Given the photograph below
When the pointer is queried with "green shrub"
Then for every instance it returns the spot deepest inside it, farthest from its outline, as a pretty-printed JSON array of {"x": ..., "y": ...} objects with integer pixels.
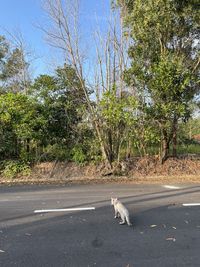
[
  {"x": 189, "y": 148},
  {"x": 56, "y": 152},
  {"x": 78, "y": 155},
  {"x": 94, "y": 151},
  {"x": 13, "y": 168}
]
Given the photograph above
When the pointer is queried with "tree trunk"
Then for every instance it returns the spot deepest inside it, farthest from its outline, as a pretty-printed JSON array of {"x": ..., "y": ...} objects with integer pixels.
[
  {"x": 17, "y": 148},
  {"x": 104, "y": 151},
  {"x": 128, "y": 149},
  {"x": 174, "y": 142},
  {"x": 28, "y": 145},
  {"x": 174, "y": 137},
  {"x": 165, "y": 151},
  {"x": 110, "y": 146},
  {"x": 165, "y": 147}
]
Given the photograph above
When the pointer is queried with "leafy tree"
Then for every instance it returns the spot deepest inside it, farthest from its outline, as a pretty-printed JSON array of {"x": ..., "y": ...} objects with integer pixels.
[
  {"x": 63, "y": 106},
  {"x": 190, "y": 129},
  {"x": 20, "y": 123},
  {"x": 3, "y": 51},
  {"x": 165, "y": 61},
  {"x": 118, "y": 116},
  {"x": 13, "y": 67}
]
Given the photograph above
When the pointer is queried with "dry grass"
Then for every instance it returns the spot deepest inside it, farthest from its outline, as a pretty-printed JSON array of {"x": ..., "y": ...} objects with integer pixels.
[
  {"x": 105, "y": 180},
  {"x": 137, "y": 171}
]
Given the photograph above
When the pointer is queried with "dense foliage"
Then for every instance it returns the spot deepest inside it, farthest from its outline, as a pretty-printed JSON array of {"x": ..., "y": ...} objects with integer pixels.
[
  {"x": 55, "y": 117},
  {"x": 165, "y": 61}
]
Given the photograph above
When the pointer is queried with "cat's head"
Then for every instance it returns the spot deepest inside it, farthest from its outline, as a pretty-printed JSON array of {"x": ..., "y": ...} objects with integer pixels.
[{"x": 113, "y": 200}]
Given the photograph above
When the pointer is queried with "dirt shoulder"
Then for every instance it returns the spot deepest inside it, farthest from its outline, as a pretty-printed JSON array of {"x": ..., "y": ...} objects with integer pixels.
[
  {"x": 135, "y": 171},
  {"x": 104, "y": 180}
]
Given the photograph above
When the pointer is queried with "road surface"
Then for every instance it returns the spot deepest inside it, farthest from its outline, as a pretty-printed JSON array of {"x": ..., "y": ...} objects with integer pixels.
[{"x": 165, "y": 233}]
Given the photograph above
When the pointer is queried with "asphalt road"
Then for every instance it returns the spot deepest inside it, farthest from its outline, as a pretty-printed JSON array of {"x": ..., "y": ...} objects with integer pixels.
[{"x": 165, "y": 233}]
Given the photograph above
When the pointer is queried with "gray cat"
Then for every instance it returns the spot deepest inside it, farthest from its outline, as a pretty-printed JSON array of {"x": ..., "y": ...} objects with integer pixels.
[{"x": 120, "y": 211}]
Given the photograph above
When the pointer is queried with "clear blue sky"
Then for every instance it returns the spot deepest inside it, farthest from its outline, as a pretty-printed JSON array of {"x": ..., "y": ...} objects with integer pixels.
[{"x": 25, "y": 14}]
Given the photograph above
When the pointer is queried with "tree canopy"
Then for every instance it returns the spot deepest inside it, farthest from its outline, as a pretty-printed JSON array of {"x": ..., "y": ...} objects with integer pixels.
[
  {"x": 138, "y": 98},
  {"x": 165, "y": 60}
]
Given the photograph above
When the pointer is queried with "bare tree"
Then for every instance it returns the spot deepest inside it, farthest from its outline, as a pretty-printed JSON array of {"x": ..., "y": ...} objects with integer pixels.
[
  {"x": 19, "y": 62},
  {"x": 110, "y": 61}
]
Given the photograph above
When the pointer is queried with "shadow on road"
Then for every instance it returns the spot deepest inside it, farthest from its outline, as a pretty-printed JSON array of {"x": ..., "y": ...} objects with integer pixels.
[
  {"x": 133, "y": 199},
  {"x": 95, "y": 238}
]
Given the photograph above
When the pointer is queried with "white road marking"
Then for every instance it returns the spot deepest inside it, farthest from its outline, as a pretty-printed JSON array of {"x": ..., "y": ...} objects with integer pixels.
[
  {"x": 171, "y": 187},
  {"x": 191, "y": 204},
  {"x": 69, "y": 209}
]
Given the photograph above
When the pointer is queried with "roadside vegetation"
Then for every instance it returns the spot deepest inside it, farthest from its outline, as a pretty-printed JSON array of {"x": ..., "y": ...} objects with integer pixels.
[{"x": 140, "y": 99}]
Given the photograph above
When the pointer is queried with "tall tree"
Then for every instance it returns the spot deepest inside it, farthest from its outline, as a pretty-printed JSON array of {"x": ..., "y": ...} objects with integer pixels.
[
  {"x": 107, "y": 68},
  {"x": 165, "y": 60},
  {"x": 14, "y": 73},
  {"x": 4, "y": 46},
  {"x": 63, "y": 104},
  {"x": 20, "y": 123}
]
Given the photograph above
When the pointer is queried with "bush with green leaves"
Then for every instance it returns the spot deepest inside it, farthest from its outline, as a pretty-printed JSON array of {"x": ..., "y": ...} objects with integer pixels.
[
  {"x": 78, "y": 154},
  {"x": 13, "y": 168},
  {"x": 56, "y": 152},
  {"x": 94, "y": 152}
]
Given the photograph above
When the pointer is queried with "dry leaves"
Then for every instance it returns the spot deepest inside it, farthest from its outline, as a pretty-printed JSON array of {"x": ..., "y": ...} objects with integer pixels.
[
  {"x": 171, "y": 239},
  {"x": 153, "y": 225}
]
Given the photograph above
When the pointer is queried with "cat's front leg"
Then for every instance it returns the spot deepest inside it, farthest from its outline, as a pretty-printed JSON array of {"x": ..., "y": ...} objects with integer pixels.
[
  {"x": 116, "y": 214},
  {"x": 123, "y": 220}
]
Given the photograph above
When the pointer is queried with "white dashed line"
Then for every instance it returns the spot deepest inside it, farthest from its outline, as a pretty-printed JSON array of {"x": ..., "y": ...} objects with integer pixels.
[
  {"x": 59, "y": 210},
  {"x": 171, "y": 187},
  {"x": 191, "y": 204}
]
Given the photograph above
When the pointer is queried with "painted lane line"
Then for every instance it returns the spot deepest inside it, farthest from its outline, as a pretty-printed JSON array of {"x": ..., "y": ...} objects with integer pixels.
[
  {"x": 69, "y": 209},
  {"x": 191, "y": 204},
  {"x": 4, "y": 200},
  {"x": 171, "y": 187}
]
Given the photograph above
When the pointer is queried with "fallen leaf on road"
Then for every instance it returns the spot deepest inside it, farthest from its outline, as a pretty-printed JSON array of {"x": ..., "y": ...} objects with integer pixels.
[
  {"x": 171, "y": 239},
  {"x": 2, "y": 251},
  {"x": 153, "y": 225}
]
